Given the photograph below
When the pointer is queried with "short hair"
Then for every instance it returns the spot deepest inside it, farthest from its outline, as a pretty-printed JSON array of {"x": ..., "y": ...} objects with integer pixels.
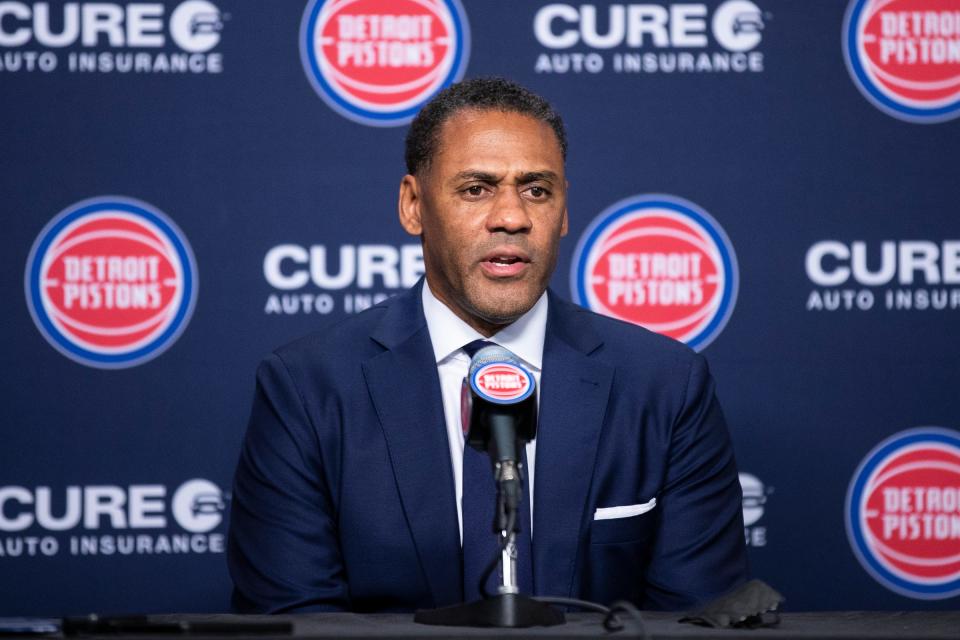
[{"x": 496, "y": 94}]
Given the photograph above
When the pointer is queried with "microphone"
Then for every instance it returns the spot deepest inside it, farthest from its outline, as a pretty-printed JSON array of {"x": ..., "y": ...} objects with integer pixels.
[{"x": 499, "y": 415}]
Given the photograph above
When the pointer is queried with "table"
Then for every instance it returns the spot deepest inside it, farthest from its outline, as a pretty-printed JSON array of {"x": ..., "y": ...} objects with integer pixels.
[{"x": 847, "y": 625}]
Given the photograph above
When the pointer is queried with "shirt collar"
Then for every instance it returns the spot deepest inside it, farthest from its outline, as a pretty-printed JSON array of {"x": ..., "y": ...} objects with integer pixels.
[{"x": 448, "y": 333}]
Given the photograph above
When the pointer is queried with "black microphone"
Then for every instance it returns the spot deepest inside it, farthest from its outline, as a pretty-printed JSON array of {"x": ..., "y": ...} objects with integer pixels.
[{"x": 499, "y": 415}]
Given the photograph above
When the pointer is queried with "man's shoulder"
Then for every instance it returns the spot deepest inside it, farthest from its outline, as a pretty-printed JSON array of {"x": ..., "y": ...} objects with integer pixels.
[
  {"x": 624, "y": 341},
  {"x": 341, "y": 341}
]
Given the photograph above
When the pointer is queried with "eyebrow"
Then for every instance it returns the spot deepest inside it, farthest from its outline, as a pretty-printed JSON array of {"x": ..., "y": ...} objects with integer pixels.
[
  {"x": 479, "y": 176},
  {"x": 524, "y": 178},
  {"x": 534, "y": 176}
]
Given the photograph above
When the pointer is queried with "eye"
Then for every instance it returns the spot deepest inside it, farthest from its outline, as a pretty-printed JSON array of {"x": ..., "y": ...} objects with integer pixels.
[
  {"x": 474, "y": 191},
  {"x": 537, "y": 192}
]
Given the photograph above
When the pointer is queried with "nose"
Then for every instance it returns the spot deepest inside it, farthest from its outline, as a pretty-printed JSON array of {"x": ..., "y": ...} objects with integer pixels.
[{"x": 509, "y": 213}]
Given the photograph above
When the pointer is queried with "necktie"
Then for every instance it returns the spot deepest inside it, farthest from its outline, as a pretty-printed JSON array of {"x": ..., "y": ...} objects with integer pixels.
[{"x": 478, "y": 503}]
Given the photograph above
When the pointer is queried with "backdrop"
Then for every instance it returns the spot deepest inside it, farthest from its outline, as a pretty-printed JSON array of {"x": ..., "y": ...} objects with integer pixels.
[{"x": 188, "y": 185}]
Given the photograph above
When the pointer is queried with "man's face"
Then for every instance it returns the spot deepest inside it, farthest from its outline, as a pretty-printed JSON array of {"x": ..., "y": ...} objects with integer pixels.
[{"x": 490, "y": 210}]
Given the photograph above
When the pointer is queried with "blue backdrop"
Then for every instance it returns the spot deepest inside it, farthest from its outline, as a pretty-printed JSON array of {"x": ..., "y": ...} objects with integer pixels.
[{"x": 188, "y": 185}]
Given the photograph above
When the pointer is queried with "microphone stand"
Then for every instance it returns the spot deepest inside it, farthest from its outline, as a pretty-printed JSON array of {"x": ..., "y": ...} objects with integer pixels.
[
  {"x": 509, "y": 494},
  {"x": 509, "y": 608}
]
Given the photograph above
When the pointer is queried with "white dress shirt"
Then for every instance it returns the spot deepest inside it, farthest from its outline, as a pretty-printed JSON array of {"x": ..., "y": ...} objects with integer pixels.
[{"x": 448, "y": 333}]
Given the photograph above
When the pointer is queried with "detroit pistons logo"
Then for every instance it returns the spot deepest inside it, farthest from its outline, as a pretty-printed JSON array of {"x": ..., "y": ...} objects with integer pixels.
[
  {"x": 660, "y": 262},
  {"x": 904, "y": 56},
  {"x": 903, "y": 516},
  {"x": 502, "y": 382},
  {"x": 111, "y": 282},
  {"x": 378, "y": 61}
]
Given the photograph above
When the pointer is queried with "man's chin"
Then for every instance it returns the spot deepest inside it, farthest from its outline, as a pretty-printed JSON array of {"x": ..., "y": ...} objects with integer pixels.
[{"x": 503, "y": 311}]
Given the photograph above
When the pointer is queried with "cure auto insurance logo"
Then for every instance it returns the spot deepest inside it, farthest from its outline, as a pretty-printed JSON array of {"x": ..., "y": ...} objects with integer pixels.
[
  {"x": 660, "y": 262},
  {"x": 111, "y": 282},
  {"x": 903, "y": 516},
  {"x": 377, "y": 62},
  {"x": 904, "y": 56}
]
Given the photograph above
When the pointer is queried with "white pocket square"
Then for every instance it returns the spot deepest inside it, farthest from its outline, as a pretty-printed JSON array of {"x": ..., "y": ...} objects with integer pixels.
[{"x": 626, "y": 511}]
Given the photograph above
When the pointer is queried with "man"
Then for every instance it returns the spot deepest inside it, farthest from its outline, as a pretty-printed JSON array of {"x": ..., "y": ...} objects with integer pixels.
[{"x": 348, "y": 490}]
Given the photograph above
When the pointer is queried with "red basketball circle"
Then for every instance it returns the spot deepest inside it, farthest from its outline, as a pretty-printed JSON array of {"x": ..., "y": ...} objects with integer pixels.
[
  {"x": 911, "y": 49},
  {"x": 111, "y": 282},
  {"x": 384, "y": 55},
  {"x": 659, "y": 271},
  {"x": 911, "y": 513}
]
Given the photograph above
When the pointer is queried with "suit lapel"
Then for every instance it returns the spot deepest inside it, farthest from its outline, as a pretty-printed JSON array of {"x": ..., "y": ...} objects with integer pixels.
[
  {"x": 573, "y": 400},
  {"x": 405, "y": 389}
]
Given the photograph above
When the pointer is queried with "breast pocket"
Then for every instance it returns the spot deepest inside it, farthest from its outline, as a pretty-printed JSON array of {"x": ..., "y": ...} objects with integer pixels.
[
  {"x": 628, "y": 529},
  {"x": 618, "y": 554}
]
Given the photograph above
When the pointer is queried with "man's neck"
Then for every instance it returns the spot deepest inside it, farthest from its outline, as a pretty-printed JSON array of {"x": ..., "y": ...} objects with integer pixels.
[
  {"x": 484, "y": 327},
  {"x": 449, "y": 332}
]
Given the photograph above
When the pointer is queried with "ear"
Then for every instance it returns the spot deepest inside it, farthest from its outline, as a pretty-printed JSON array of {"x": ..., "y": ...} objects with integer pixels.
[{"x": 409, "y": 204}]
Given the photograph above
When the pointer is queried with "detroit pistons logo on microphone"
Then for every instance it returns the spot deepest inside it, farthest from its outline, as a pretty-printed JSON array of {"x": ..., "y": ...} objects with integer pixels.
[
  {"x": 660, "y": 262},
  {"x": 502, "y": 382},
  {"x": 904, "y": 56},
  {"x": 903, "y": 513},
  {"x": 111, "y": 282},
  {"x": 377, "y": 61}
]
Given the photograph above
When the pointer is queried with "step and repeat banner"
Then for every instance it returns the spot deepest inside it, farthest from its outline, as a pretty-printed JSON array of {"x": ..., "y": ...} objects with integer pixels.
[{"x": 188, "y": 185}]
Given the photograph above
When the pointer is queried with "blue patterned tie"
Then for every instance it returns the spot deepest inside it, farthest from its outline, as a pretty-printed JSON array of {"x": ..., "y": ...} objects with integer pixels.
[{"x": 480, "y": 544}]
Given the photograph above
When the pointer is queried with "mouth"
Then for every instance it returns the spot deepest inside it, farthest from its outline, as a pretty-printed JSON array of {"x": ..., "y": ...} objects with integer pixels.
[{"x": 505, "y": 262}]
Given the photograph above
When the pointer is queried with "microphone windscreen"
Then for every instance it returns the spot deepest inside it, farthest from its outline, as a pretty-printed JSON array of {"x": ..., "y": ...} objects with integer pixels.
[
  {"x": 492, "y": 353},
  {"x": 497, "y": 375}
]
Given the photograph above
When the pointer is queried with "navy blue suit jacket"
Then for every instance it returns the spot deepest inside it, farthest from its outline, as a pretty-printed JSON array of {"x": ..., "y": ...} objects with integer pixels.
[{"x": 344, "y": 497}]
